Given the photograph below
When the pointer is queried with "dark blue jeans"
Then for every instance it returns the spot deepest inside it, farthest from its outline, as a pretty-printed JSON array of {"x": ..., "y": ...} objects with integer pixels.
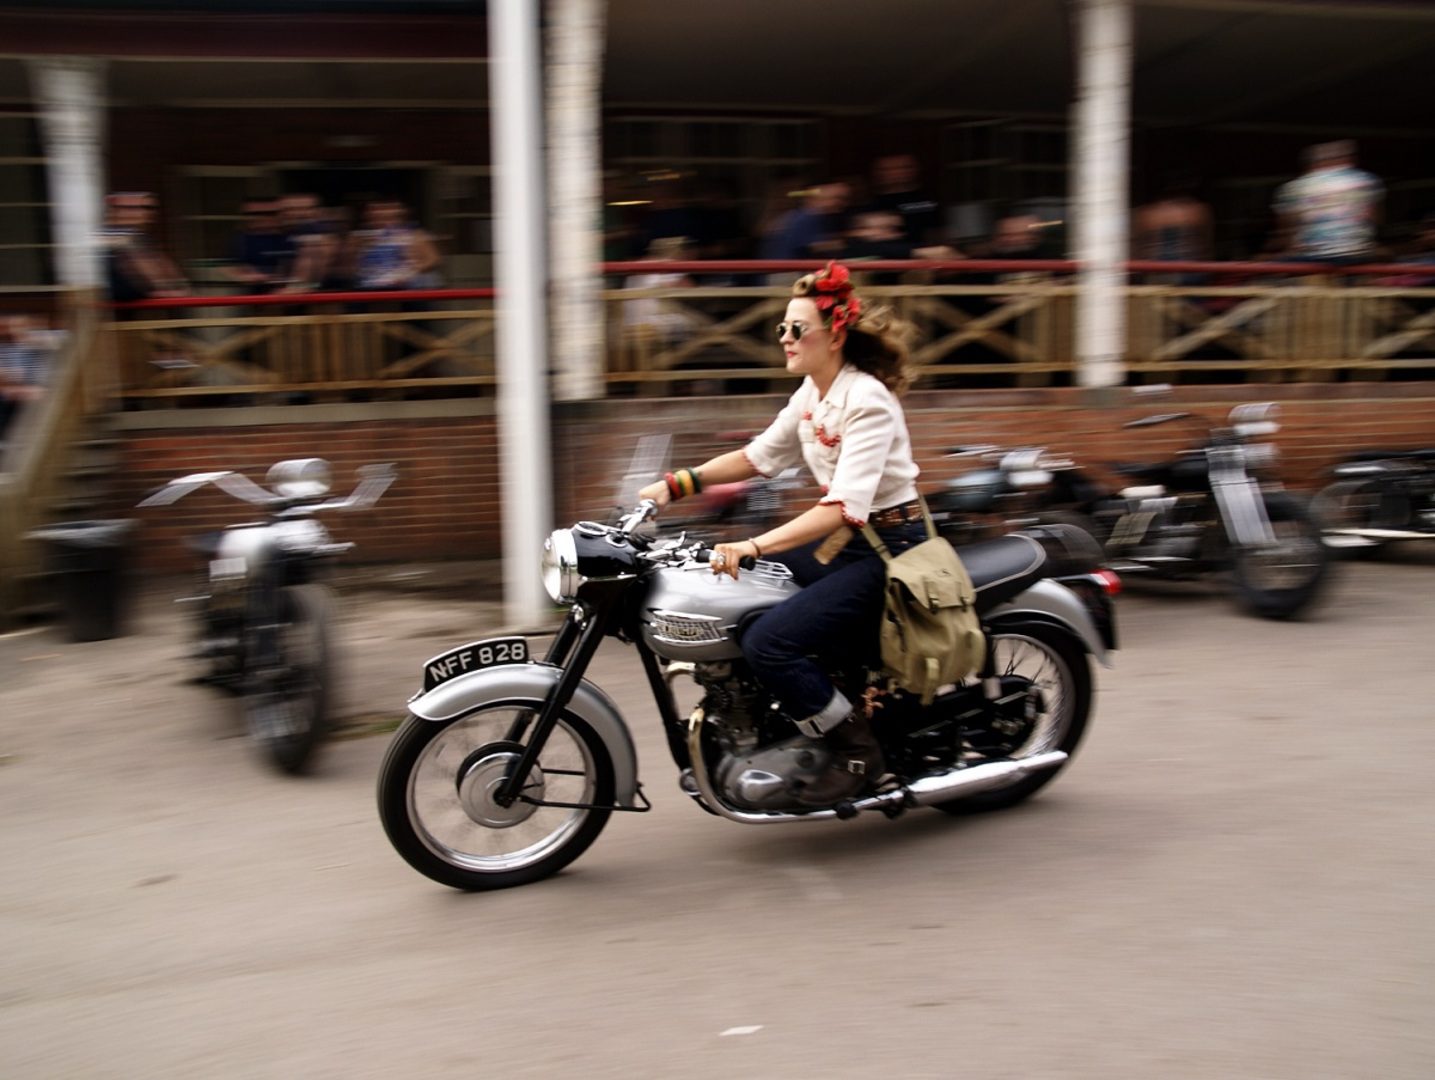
[{"x": 835, "y": 616}]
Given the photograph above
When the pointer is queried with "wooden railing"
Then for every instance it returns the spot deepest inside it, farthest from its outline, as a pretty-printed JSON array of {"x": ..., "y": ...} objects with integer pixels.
[{"x": 1000, "y": 323}]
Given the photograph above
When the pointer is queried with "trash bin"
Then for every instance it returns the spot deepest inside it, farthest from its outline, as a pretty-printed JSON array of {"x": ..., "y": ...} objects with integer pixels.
[{"x": 89, "y": 560}]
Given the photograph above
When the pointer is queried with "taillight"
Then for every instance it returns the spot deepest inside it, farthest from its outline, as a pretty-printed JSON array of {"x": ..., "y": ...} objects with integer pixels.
[{"x": 1110, "y": 582}]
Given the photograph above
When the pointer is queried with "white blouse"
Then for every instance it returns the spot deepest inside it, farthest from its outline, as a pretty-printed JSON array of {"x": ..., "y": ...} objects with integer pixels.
[{"x": 854, "y": 441}]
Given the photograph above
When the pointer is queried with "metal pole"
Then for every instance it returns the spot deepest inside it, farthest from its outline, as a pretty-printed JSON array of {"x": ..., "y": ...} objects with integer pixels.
[
  {"x": 70, "y": 93},
  {"x": 1103, "y": 134},
  {"x": 575, "y": 117},
  {"x": 523, "y": 422}
]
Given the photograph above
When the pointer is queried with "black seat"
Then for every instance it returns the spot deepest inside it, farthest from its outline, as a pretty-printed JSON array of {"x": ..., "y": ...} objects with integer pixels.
[
  {"x": 1155, "y": 471},
  {"x": 205, "y": 545},
  {"x": 1003, "y": 567}
]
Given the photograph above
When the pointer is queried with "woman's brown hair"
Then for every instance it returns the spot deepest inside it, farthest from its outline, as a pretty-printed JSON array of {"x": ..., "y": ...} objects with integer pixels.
[{"x": 876, "y": 338}]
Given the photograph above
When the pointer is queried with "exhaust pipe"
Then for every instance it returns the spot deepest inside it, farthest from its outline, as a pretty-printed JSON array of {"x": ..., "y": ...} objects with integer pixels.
[
  {"x": 951, "y": 784},
  {"x": 1377, "y": 534}
]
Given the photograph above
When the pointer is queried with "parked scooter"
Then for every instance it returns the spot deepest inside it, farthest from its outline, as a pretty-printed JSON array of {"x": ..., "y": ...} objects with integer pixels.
[
  {"x": 1379, "y": 497},
  {"x": 264, "y": 618},
  {"x": 1212, "y": 508}
]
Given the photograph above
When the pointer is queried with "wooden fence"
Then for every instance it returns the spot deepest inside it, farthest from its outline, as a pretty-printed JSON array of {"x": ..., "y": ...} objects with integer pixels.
[{"x": 992, "y": 324}]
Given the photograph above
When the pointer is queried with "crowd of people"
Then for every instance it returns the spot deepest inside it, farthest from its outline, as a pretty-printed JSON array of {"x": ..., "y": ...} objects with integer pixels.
[
  {"x": 1331, "y": 213},
  {"x": 286, "y": 244}
]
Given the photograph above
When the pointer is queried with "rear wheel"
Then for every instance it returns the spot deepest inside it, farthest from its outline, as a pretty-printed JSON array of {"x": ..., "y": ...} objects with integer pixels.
[
  {"x": 287, "y": 712},
  {"x": 1055, "y": 671},
  {"x": 436, "y": 798},
  {"x": 1278, "y": 581}
]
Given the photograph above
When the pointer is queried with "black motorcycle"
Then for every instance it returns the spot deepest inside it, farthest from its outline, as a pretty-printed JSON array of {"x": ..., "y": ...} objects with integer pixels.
[
  {"x": 508, "y": 767},
  {"x": 1379, "y": 497},
  {"x": 1012, "y": 489},
  {"x": 264, "y": 616},
  {"x": 1212, "y": 508}
]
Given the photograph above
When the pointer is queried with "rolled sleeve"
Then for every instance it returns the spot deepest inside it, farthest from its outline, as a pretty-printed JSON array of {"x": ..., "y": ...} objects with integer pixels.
[
  {"x": 778, "y": 447},
  {"x": 866, "y": 443}
]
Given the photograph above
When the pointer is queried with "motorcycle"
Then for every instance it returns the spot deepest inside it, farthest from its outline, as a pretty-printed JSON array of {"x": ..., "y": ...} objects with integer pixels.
[
  {"x": 1007, "y": 493},
  {"x": 1211, "y": 508},
  {"x": 264, "y": 619},
  {"x": 1378, "y": 497},
  {"x": 507, "y": 767}
]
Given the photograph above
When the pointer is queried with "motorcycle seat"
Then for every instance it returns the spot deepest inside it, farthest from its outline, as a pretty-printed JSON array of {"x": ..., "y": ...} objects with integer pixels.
[
  {"x": 1426, "y": 453},
  {"x": 1003, "y": 567},
  {"x": 1141, "y": 470}
]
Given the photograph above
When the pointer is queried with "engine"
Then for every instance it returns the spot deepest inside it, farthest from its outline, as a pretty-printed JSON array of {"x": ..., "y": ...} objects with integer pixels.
[{"x": 762, "y": 762}]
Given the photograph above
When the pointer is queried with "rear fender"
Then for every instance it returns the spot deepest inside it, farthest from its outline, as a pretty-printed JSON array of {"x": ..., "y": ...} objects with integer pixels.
[
  {"x": 529, "y": 684},
  {"x": 1047, "y": 601}
]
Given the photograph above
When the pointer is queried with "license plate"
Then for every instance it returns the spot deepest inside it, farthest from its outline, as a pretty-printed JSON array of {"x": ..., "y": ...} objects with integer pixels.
[{"x": 472, "y": 657}]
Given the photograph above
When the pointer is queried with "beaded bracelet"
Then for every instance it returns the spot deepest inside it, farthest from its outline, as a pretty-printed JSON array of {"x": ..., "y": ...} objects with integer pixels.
[{"x": 683, "y": 482}]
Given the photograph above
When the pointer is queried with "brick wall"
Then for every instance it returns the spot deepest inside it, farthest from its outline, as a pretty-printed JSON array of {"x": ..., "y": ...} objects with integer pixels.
[{"x": 445, "y": 504}]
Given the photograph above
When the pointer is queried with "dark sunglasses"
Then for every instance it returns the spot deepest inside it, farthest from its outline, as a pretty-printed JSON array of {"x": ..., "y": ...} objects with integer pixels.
[{"x": 796, "y": 329}]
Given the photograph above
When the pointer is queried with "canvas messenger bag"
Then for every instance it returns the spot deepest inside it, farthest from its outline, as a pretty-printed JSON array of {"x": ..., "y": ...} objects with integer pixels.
[{"x": 930, "y": 634}]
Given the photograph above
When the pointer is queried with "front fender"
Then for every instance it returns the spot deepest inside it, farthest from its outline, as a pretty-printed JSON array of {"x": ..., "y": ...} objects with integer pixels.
[
  {"x": 530, "y": 683},
  {"x": 1052, "y": 602}
]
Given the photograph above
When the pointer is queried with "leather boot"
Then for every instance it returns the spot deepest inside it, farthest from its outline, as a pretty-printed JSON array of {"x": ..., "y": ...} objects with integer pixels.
[{"x": 857, "y": 763}]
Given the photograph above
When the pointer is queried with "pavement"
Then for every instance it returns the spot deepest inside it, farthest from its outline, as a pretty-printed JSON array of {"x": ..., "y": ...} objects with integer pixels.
[{"x": 1233, "y": 878}]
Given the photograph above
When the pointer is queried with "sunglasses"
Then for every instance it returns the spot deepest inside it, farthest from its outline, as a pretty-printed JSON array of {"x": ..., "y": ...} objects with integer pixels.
[{"x": 796, "y": 329}]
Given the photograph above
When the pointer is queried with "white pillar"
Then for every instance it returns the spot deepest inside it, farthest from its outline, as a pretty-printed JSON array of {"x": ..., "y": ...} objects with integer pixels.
[
  {"x": 523, "y": 442},
  {"x": 575, "y": 115},
  {"x": 71, "y": 95},
  {"x": 1103, "y": 136}
]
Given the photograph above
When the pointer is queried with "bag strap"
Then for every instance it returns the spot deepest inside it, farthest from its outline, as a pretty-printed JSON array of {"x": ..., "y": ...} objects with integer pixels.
[{"x": 881, "y": 548}]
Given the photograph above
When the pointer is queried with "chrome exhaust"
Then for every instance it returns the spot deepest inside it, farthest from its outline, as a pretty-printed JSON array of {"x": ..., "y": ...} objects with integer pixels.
[
  {"x": 1376, "y": 534},
  {"x": 952, "y": 784}
]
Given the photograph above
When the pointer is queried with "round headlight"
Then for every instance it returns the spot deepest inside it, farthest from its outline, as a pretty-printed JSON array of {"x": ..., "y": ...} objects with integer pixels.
[
  {"x": 299, "y": 478},
  {"x": 560, "y": 567}
]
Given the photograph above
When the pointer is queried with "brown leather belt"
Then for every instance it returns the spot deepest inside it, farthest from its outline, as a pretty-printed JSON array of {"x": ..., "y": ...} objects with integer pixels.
[{"x": 895, "y": 515}]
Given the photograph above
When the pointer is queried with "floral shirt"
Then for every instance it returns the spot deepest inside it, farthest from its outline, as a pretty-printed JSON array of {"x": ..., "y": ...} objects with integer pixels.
[
  {"x": 854, "y": 441},
  {"x": 1334, "y": 210}
]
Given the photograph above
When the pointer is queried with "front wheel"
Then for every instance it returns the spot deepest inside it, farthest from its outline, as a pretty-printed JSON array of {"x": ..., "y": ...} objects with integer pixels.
[
  {"x": 1279, "y": 580},
  {"x": 287, "y": 707},
  {"x": 1050, "y": 665},
  {"x": 436, "y": 797}
]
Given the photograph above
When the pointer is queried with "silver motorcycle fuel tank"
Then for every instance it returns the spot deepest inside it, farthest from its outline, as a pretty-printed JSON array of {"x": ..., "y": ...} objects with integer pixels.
[{"x": 690, "y": 613}]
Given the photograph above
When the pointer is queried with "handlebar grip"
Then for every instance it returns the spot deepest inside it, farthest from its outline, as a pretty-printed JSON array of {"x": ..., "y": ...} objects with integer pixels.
[{"x": 747, "y": 562}]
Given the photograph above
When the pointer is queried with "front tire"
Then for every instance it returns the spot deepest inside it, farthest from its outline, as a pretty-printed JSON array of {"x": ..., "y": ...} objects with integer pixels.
[
  {"x": 288, "y": 713},
  {"x": 1056, "y": 664},
  {"x": 435, "y": 802},
  {"x": 1280, "y": 581}
]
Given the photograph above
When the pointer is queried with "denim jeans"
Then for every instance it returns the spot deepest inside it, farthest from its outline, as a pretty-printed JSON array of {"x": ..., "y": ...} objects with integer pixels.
[{"x": 835, "y": 616}]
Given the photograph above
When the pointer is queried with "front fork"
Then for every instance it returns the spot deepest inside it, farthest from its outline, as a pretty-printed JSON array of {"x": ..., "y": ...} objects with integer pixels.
[
  {"x": 1240, "y": 500},
  {"x": 572, "y": 649}
]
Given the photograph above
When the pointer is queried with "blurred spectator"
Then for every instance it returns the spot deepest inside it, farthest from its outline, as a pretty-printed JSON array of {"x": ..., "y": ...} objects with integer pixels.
[
  {"x": 660, "y": 318},
  {"x": 311, "y": 240},
  {"x": 1420, "y": 252},
  {"x": 134, "y": 267},
  {"x": 896, "y": 186},
  {"x": 1330, "y": 212},
  {"x": 25, "y": 357},
  {"x": 1175, "y": 227},
  {"x": 669, "y": 214},
  {"x": 877, "y": 234},
  {"x": 260, "y": 254},
  {"x": 393, "y": 253},
  {"x": 1018, "y": 235},
  {"x": 815, "y": 230}
]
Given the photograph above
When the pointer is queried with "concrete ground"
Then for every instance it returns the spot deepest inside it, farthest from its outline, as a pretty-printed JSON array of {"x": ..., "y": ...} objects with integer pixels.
[{"x": 1233, "y": 879}]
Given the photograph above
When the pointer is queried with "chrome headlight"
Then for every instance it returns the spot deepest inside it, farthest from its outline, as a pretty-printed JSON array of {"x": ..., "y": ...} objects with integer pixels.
[{"x": 560, "y": 567}]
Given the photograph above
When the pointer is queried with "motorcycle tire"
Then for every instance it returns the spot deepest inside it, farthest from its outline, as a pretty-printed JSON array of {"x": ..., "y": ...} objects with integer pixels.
[
  {"x": 290, "y": 718},
  {"x": 1289, "y": 517},
  {"x": 1012, "y": 644},
  {"x": 1361, "y": 504},
  {"x": 426, "y": 844}
]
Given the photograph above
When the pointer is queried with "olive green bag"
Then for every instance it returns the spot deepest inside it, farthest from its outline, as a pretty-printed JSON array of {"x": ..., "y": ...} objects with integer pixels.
[{"x": 931, "y": 635}]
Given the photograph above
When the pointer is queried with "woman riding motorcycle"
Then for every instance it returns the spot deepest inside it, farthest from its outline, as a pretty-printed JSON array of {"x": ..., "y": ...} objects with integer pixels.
[{"x": 846, "y": 423}]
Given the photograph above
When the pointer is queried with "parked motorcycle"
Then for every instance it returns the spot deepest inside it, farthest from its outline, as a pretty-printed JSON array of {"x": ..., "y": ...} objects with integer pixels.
[
  {"x": 264, "y": 618},
  {"x": 1378, "y": 497},
  {"x": 1011, "y": 491},
  {"x": 508, "y": 767},
  {"x": 1211, "y": 508}
]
